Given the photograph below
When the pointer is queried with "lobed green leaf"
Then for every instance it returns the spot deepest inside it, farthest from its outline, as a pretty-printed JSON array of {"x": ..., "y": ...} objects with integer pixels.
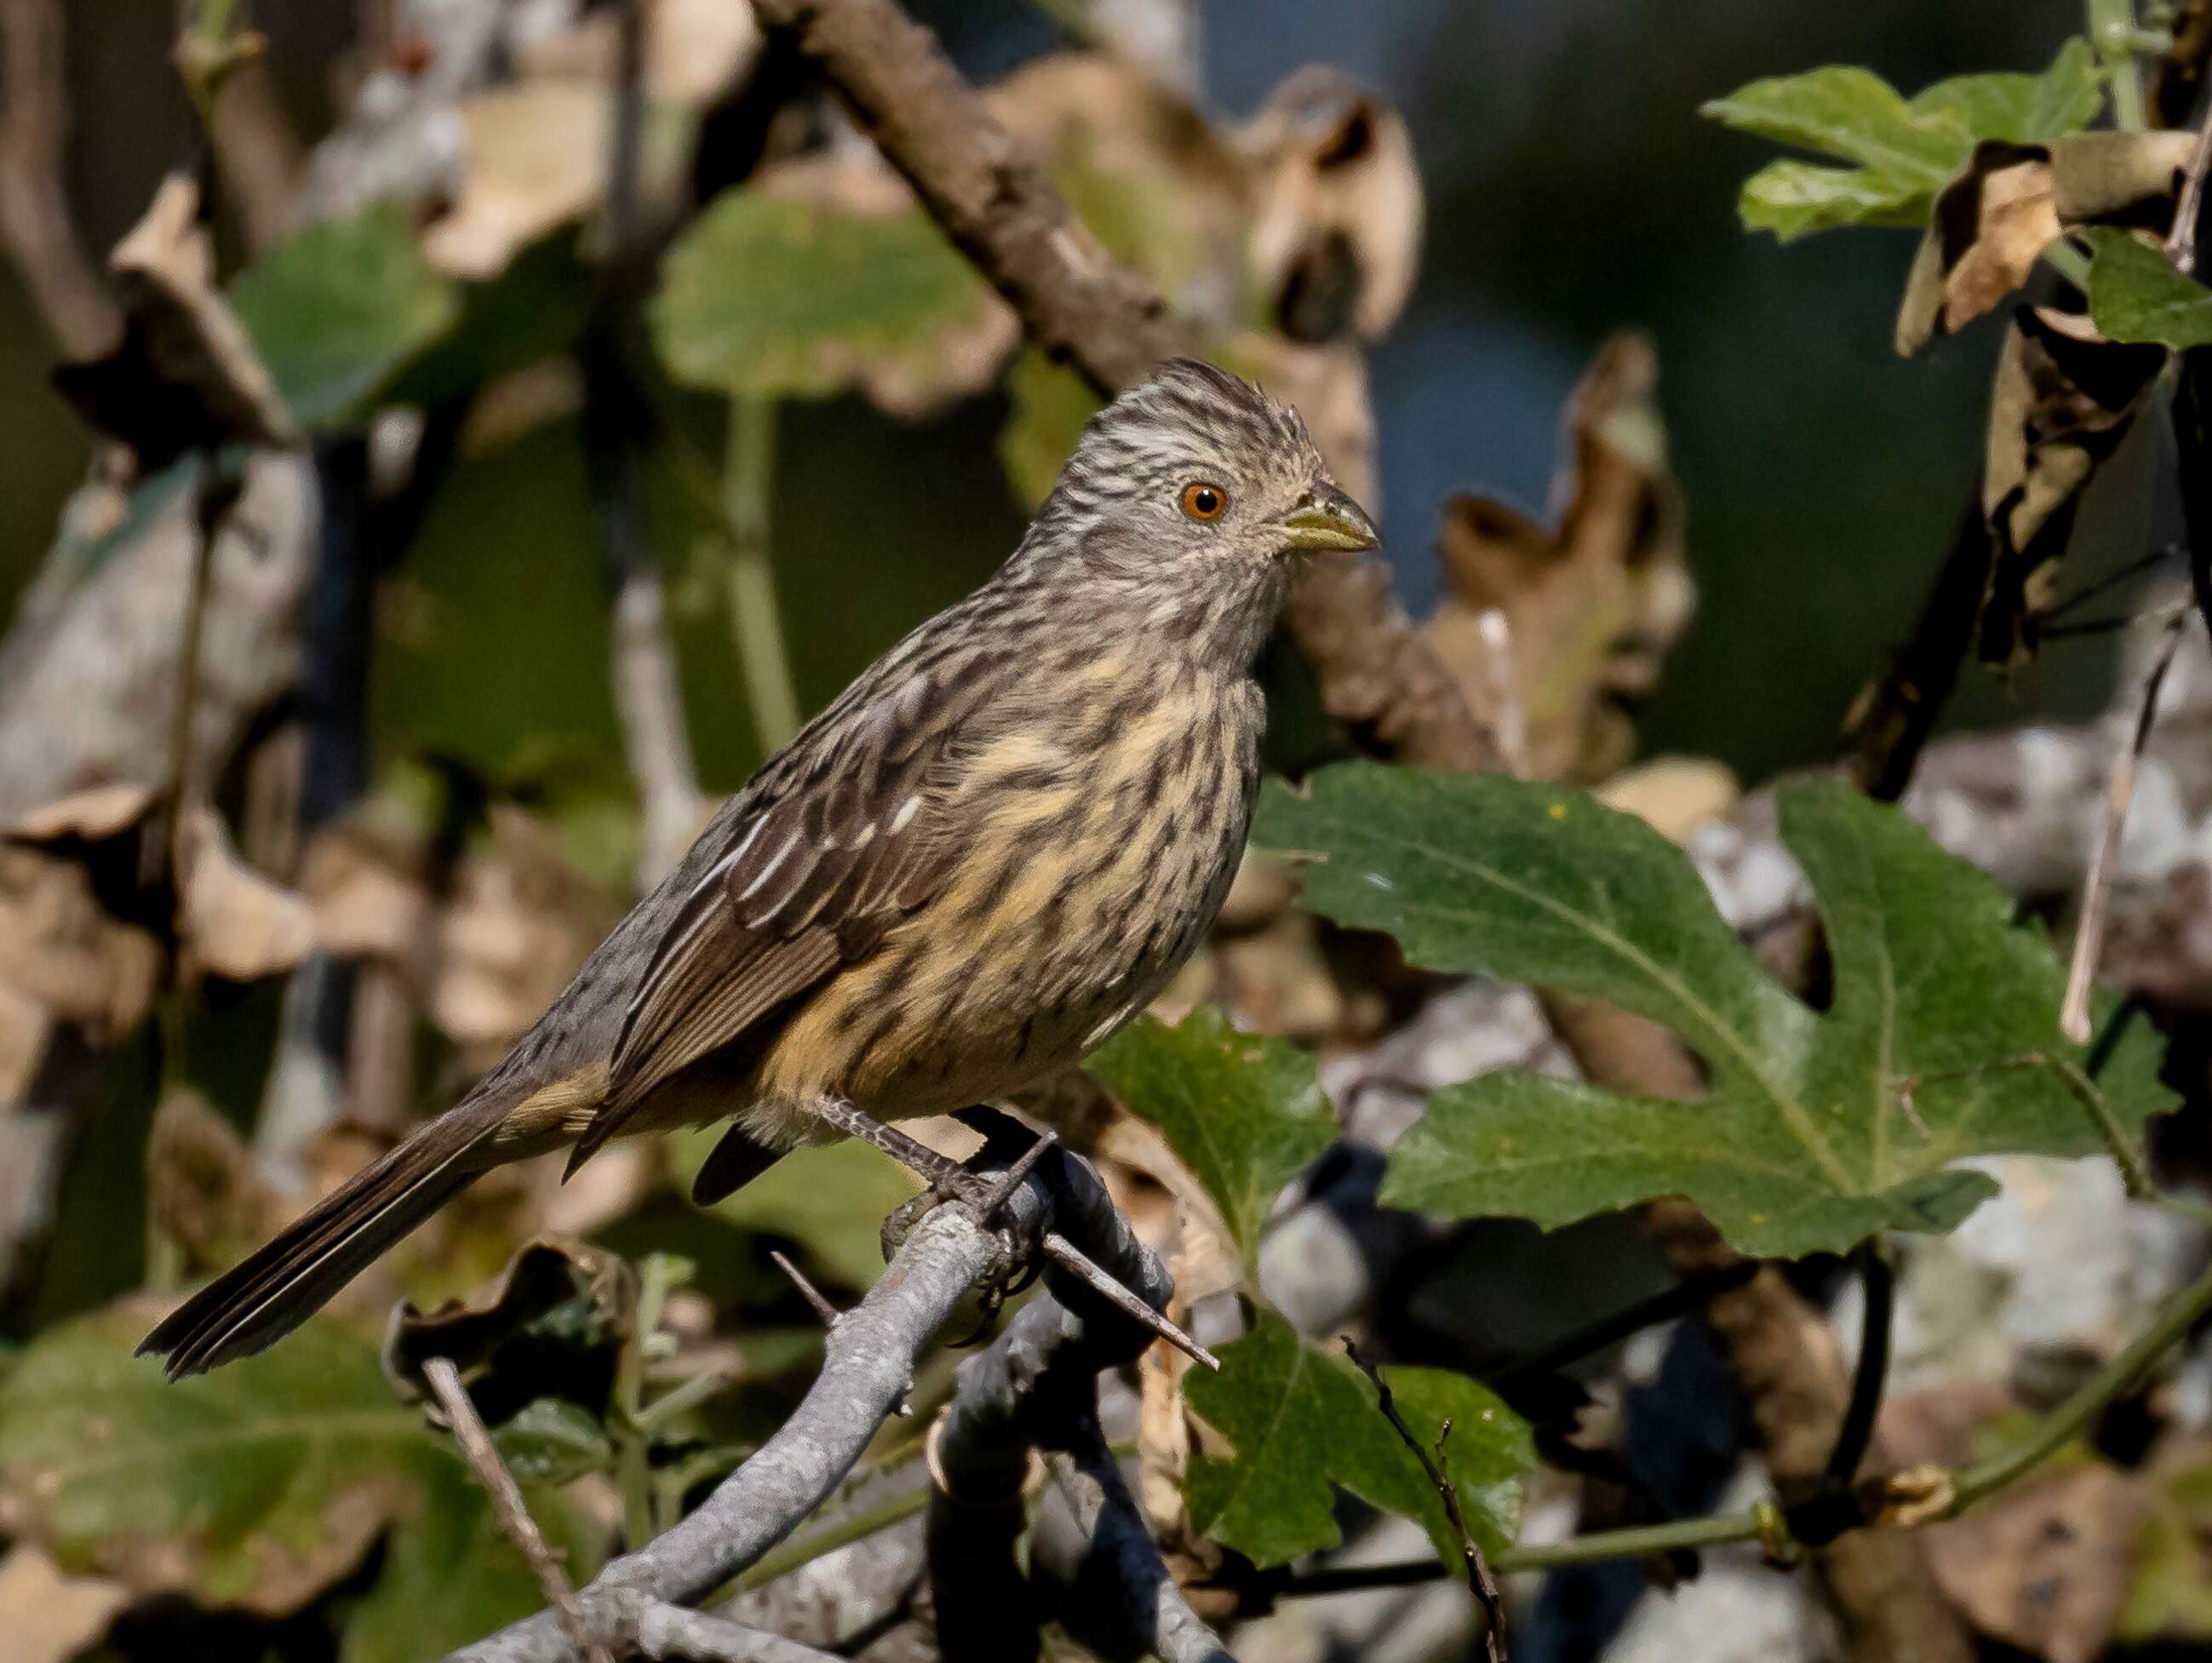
[
  {"x": 1903, "y": 152},
  {"x": 1302, "y": 1418},
  {"x": 1818, "y": 1128}
]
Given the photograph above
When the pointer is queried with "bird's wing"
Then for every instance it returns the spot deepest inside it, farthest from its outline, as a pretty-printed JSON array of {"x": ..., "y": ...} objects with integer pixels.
[{"x": 840, "y": 840}]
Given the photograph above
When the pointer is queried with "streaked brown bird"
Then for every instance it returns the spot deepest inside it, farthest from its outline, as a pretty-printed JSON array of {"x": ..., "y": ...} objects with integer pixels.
[{"x": 993, "y": 849}]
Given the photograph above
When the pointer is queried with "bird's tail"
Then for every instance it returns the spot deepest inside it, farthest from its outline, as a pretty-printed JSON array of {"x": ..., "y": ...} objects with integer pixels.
[{"x": 264, "y": 1297}]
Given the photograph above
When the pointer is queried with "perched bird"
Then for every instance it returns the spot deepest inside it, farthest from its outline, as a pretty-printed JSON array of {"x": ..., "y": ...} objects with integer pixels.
[{"x": 995, "y": 848}]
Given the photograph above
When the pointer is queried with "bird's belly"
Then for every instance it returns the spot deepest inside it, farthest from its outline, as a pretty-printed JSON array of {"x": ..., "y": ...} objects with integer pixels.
[{"x": 949, "y": 1012}]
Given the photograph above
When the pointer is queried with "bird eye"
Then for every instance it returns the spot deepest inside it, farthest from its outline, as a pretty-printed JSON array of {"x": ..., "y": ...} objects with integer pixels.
[{"x": 1202, "y": 500}]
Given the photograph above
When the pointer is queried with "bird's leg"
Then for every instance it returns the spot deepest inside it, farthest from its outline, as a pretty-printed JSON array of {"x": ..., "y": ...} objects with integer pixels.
[
  {"x": 949, "y": 1180},
  {"x": 1020, "y": 1260}
]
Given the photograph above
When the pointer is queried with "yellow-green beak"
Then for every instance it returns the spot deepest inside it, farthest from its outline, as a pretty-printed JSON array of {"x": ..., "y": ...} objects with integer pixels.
[{"x": 1331, "y": 522}]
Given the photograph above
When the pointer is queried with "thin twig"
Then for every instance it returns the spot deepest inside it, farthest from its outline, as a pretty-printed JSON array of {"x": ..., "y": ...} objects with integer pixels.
[
  {"x": 1482, "y": 1585},
  {"x": 813, "y": 1295},
  {"x": 2074, "y": 1015},
  {"x": 2181, "y": 237},
  {"x": 508, "y": 1507}
]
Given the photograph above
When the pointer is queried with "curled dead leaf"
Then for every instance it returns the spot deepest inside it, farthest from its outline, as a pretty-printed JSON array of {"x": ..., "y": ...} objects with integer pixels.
[
  {"x": 63, "y": 953},
  {"x": 1989, "y": 227},
  {"x": 231, "y": 922},
  {"x": 2104, "y": 175},
  {"x": 2063, "y": 399},
  {"x": 1336, "y": 206},
  {"x": 90, "y": 816},
  {"x": 185, "y": 373},
  {"x": 543, "y": 1275},
  {"x": 520, "y": 923},
  {"x": 1591, "y": 608}
]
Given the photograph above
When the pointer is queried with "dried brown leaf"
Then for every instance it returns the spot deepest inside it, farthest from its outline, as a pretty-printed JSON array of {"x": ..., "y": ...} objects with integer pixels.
[
  {"x": 1336, "y": 206},
  {"x": 61, "y": 951},
  {"x": 2044, "y": 1566},
  {"x": 49, "y": 1616},
  {"x": 2102, "y": 175},
  {"x": 202, "y": 1189},
  {"x": 2063, "y": 399},
  {"x": 90, "y": 816},
  {"x": 1589, "y": 609},
  {"x": 1990, "y": 226},
  {"x": 231, "y": 922},
  {"x": 185, "y": 373},
  {"x": 520, "y": 923}
]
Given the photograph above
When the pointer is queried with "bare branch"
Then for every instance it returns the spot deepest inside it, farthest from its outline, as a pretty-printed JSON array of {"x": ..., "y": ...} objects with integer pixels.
[
  {"x": 34, "y": 215},
  {"x": 1087, "y": 310},
  {"x": 1118, "y": 1584},
  {"x": 1035, "y": 1388},
  {"x": 2089, "y": 932},
  {"x": 867, "y": 1365},
  {"x": 506, "y": 1505}
]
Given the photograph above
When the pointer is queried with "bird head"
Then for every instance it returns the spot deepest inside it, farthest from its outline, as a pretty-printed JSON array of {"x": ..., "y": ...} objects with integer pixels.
[{"x": 1195, "y": 472}]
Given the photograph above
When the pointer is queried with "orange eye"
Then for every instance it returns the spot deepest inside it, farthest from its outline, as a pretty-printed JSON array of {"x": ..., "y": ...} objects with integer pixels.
[{"x": 1204, "y": 500}]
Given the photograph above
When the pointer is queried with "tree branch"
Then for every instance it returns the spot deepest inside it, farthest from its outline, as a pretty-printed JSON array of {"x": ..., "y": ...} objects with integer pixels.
[
  {"x": 1085, "y": 310},
  {"x": 1037, "y": 1388},
  {"x": 867, "y": 1369},
  {"x": 34, "y": 215}
]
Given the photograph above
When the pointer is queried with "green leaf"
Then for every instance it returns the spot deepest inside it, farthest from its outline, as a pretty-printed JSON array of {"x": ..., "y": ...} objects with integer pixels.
[
  {"x": 1302, "y": 1418},
  {"x": 1905, "y": 152},
  {"x": 337, "y": 310},
  {"x": 1242, "y": 1111},
  {"x": 2136, "y": 294},
  {"x": 2022, "y": 109},
  {"x": 257, "y": 1486},
  {"x": 831, "y": 1200},
  {"x": 772, "y": 297},
  {"x": 1849, "y": 113},
  {"x": 450, "y": 1576},
  {"x": 551, "y": 1440},
  {"x": 1795, "y": 198},
  {"x": 1807, "y": 1140}
]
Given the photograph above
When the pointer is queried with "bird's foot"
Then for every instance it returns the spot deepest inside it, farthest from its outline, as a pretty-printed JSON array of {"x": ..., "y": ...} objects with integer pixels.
[{"x": 983, "y": 1198}]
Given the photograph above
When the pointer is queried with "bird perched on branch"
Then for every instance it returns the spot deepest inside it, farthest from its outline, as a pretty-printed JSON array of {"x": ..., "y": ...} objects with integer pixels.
[{"x": 993, "y": 849}]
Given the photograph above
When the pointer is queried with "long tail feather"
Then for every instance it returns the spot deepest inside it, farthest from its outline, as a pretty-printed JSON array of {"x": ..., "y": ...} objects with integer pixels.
[{"x": 274, "y": 1289}]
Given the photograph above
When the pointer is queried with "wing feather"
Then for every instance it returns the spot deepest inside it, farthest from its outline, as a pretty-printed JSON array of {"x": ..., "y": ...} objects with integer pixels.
[{"x": 841, "y": 837}]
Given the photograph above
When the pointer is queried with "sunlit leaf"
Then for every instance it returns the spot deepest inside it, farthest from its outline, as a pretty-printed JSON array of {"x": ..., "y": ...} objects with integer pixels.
[
  {"x": 1818, "y": 1128},
  {"x": 1301, "y": 1418},
  {"x": 1244, "y": 1113},
  {"x": 771, "y": 296},
  {"x": 1904, "y": 151},
  {"x": 830, "y": 1200},
  {"x": 2136, "y": 295}
]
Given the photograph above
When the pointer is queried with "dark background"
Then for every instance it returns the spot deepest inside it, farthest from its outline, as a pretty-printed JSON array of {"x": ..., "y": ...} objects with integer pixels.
[{"x": 1572, "y": 188}]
